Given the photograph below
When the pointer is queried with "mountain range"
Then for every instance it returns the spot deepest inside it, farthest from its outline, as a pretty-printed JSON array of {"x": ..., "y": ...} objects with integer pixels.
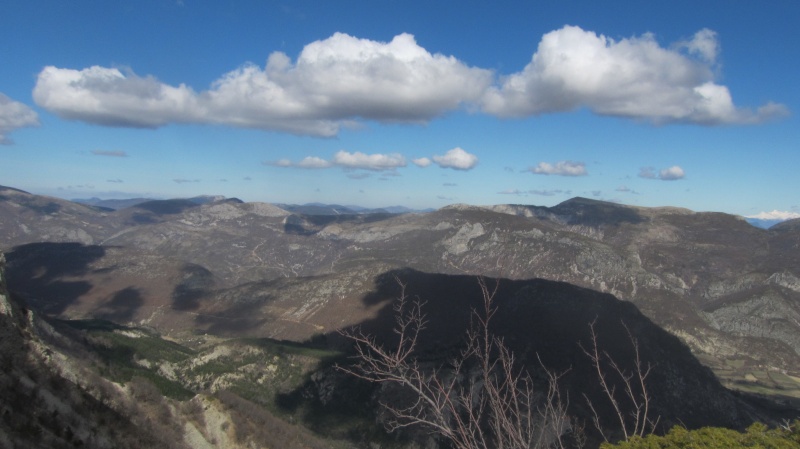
[{"x": 714, "y": 300}]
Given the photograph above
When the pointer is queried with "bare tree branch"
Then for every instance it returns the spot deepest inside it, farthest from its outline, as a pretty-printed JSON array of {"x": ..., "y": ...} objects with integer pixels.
[
  {"x": 480, "y": 400},
  {"x": 638, "y": 421}
]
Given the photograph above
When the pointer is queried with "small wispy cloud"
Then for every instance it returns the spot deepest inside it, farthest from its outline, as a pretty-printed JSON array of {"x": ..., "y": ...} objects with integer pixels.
[
  {"x": 562, "y": 168},
  {"x": 116, "y": 181},
  {"x": 184, "y": 181},
  {"x": 449, "y": 184},
  {"x": 511, "y": 192},
  {"x": 78, "y": 187},
  {"x": 667, "y": 174},
  {"x": 550, "y": 192},
  {"x": 626, "y": 189},
  {"x": 110, "y": 153}
]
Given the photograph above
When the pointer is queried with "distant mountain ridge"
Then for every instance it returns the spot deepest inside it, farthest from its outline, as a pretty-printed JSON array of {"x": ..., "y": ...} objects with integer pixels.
[
  {"x": 336, "y": 209},
  {"x": 117, "y": 204},
  {"x": 768, "y": 223},
  {"x": 307, "y": 209}
]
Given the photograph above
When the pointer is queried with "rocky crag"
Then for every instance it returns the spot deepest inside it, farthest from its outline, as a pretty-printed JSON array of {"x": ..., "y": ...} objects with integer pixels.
[{"x": 54, "y": 393}]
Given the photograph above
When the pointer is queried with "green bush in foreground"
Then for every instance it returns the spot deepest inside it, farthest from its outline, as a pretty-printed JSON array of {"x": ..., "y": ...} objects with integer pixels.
[{"x": 757, "y": 436}]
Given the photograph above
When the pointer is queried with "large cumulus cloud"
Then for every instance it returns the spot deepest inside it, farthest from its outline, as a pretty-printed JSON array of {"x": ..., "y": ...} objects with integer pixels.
[
  {"x": 341, "y": 80},
  {"x": 333, "y": 82},
  {"x": 634, "y": 78},
  {"x": 14, "y": 115}
]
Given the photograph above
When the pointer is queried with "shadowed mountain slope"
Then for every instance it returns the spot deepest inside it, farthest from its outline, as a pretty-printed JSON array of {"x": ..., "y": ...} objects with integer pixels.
[{"x": 545, "y": 323}]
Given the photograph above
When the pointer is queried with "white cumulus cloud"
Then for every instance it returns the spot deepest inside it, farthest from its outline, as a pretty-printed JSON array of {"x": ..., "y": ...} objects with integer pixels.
[
  {"x": 562, "y": 168},
  {"x": 313, "y": 162},
  {"x": 333, "y": 82},
  {"x": 310, "y": 162},
  {"x": 339, "y": 81},
  {"x": 633, "y": 77},
  {"x": 667, "y": 174},
  {"x": 376, "y": 162},
  {"x": 457, "y": 159},
  {"x": 345, "y": 159},
  {"x": 107, "y": 96},
  {"x": 671, "y": 173},
  {"x": 422, "y": 162},
  {"x": 14, "y": 115}
]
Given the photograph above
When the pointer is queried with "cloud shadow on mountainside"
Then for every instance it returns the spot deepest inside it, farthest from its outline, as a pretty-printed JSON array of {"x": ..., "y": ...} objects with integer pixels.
[
  {"x": 237, "y": 311},
  {"x": 588, "y": 212},
  {"x": 155, "y": 211},
  {"x": 122, "y": 306},
  {"x": 40, "y": 272},
  {"x": 195, "y": 285},
  {"x": 166, "y": 207},
  {"x": 549, "y": 321},
  {"x": 234, "y": 320}
]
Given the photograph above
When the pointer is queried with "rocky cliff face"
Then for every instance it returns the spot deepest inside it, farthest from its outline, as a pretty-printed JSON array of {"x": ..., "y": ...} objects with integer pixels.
[
  {"x": 5, "y": 305},
  {"x": 39, "y": 405},
  {"x": 53, "y": 395}
]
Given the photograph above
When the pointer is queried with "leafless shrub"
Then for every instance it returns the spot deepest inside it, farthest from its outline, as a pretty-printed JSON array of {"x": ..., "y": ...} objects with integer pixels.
[
  {"x": 634, "y": 397},
  {"x": 481, "y": 399}
]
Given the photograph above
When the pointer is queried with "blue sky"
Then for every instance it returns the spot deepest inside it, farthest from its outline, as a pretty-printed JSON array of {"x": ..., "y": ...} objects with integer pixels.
[{"x": 378, "y": 103}]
